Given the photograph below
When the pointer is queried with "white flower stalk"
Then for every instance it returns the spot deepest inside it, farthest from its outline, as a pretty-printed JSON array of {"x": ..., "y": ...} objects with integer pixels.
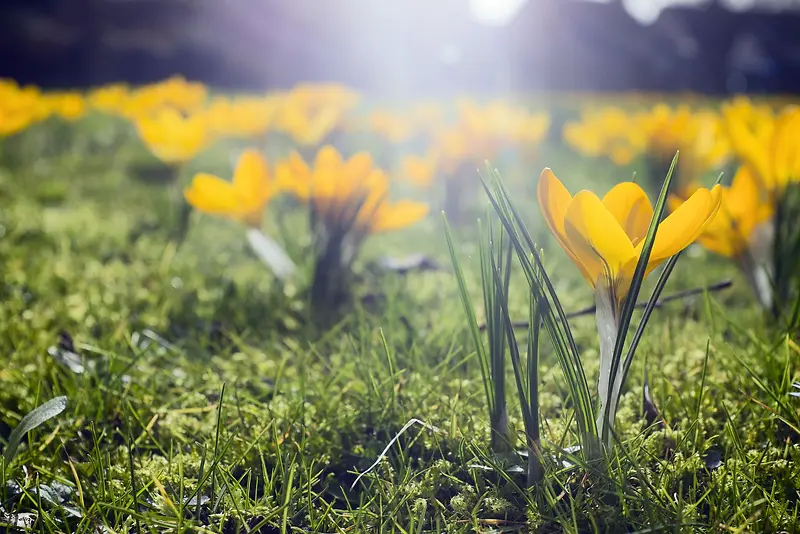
[
  {"x": 607, "y": 318},
  {"x": 270, "y": 253},
  {"x": 756, "y": 262}
]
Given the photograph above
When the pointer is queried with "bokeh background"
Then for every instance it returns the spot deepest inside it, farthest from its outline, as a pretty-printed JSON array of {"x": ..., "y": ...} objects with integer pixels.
[{"x": 410, "y": 47}]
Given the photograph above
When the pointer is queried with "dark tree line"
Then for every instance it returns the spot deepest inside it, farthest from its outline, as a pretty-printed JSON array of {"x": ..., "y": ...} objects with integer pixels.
[{"x": 397, "y": 48}]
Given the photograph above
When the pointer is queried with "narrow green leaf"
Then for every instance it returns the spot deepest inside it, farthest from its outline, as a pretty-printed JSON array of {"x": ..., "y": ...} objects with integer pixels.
[
  {"x": 494, "y": 293},
  {"x": 33, "y": 419},
  {"x": 535, "y": 472},
  {"x": 648, "y": 311},
  {"x": 513, "y": 348},
  {"x": 469, "y": 311}
]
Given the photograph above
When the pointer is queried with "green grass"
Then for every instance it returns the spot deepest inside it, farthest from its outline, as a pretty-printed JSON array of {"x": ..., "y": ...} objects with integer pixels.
[{"x": 208, "y": 403}]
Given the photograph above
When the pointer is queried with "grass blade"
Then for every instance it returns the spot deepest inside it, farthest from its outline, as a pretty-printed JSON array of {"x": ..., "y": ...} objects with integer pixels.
[
  {"x": 33, "y": 419},
  {"x": 469, "y": 311}
]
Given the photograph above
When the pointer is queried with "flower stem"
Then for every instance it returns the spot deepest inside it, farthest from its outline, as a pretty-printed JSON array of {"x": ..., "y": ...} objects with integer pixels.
[{"x": 608, "y": 386}]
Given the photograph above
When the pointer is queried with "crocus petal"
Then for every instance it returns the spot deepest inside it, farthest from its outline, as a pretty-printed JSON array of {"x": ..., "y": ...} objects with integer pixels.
[
  {"x": 294, "y": 175},
  {"x": 553, "y": 201},
  {"x": 629, "y": 205},
  {"x": 371, "y": 192},
  {"x": 328, "y": 157},
  {"x": 358, "y": 166},
  {"x": 597, "y": 239},
  {"x": 418, "y": 170},
  {"x": 211, "y": 194},
  {"x": 683, "y": 226},
  {"x": 721, "y": 244},
  {"x": 399, "y": 215},
  {"x": 251, "y": 178},
  {"x": 745, "y": 198}
]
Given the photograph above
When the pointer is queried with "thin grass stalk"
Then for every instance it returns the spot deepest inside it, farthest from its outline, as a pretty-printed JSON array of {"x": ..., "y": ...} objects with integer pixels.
[
  {"x": 494, "y": 293},
  {"x": 526, "y": 377},
  {"x": 551, "y": 311},
  {"x": 565, "y": 335},
  {"x": 513, "y": 349},
  {"x": 535, "y": 472},
  {"x": 469, "y": 311},
  {"x": 648, "y": 311},
  {"x": 559, "y": 334}
]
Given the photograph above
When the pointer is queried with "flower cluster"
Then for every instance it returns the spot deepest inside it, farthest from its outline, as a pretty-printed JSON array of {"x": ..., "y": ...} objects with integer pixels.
[
  {"x": 656, "y": 133},
  {"x": 177, "y": 119},
  {"x": 21, "y": 107}
]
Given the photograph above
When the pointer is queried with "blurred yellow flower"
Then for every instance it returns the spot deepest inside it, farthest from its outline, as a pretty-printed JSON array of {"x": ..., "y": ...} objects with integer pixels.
[
  {"x": 530, "y": 129},
  {"x": 419, "y": 170},
  {"x": 769, "y": 146},
  {"x": 608, "y": 131},
  {"x": 744, "y": 207},
  {"x": 13, "y": 121},
  {"x": 243, "y": 199},
  {"x": 665, "y": 130},
  {"x": 604, "y": 238},
  {"x": 305, "y": 128},
  {"x": 176, "y": 93},
  {"x": 698, "y": 135},
  {"x": 69, "y": 105},
  {"x": 241, "y": 116},
  {"x": 110, "y": 98},
  {"x": 350, "y": 193},
  {"x": 173, "y": 137},
  {"x": 426, "y": 116},
  {"x": 657, "y": 133},
  {"x": 310, "y": 112},
  {"x": 394, "y": 127},
  {"x": 19, "y": 107}
]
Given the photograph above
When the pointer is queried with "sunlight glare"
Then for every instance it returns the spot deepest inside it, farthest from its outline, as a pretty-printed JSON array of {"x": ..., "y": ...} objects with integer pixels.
[{"x": 495, "y": 12}]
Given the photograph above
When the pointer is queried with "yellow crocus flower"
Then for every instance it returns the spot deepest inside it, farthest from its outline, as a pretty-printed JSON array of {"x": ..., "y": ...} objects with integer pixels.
[
  {"x": 347, "y": 191},
  {"x": 20, "y": 107},
  {"x": 70, "y": 105},
  {"x": 310, "y": 112},
  {"x": 608, "y": 131},
  {"x": 394, "y": 127},
  {"x": 308, "y": 127},
  {"x": 110, "y": 98},
  {"x": 743, "y": 209},
  {"x": 531, "y": 129},
  {"x": 242, "y": 199},
  {"x": 241, "y": 116},
  {"x": 751, "y": 131},
  {"x": 13, "y": 121},
  {"x": 768, "y": 145},
  {"x": 604, "y": 238},
  {"x": 743, "y": 230},
  {"x": 172, "y": 137},
  {"x": 426, "y": 116},
  {"x": 784, "y": 150},
  {"x": 419, "y": 170}
]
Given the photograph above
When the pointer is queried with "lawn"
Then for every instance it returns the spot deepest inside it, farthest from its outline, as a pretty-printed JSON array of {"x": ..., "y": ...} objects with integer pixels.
[{"x": 204, "y": 395}]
